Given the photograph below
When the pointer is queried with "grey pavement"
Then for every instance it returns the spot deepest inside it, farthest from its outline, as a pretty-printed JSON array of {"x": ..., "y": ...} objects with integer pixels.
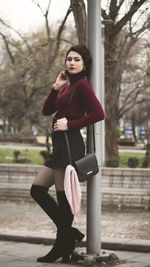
[
  {"x": 23, "y": 255},
  {"x": 22, "y": 146},
  {"x": 14, "y": 254},
  {"x": 122, "y": 224},
  {"x": 27, "y": 233}
]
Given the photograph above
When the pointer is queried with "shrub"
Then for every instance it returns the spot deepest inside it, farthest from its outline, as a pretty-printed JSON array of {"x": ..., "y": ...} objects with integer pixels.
[
  {"x": 22, "y": 160},
  {"x": 118, "y": 132},
  {"x": 16, "y": 154},
  {"x": 133, "y": 162},
  {"x": 112, "y": 162}
]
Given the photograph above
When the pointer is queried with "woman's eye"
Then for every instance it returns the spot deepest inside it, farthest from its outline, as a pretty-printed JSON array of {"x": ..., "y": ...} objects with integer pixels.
[
  {"x": 69, "y": 58},
  {"x": 75, "y": 59}
]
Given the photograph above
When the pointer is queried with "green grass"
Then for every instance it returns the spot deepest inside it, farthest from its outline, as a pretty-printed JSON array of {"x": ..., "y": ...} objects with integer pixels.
[
  {"x": 125, "y": 155},
  {"x": 6, "y": 156}
]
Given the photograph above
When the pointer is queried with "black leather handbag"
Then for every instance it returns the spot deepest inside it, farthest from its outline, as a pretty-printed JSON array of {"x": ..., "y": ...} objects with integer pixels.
[{"x": 86, "y": 166}]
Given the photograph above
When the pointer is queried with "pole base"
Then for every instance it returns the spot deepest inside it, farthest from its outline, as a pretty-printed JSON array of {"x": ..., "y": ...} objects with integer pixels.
[{"x": 90, "y": 259}]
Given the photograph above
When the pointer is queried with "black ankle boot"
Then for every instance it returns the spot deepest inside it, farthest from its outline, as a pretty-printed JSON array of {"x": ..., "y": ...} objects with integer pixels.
[
  {"x": 56, "y": 252},
  {"x": 75, "y": 235},
  {"x": 63, "y": 240},
  {"x": 52, "y": 256}
]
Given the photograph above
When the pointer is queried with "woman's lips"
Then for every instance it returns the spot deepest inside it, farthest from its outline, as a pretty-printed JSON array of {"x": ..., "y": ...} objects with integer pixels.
[{"x": 71, "y": 68}]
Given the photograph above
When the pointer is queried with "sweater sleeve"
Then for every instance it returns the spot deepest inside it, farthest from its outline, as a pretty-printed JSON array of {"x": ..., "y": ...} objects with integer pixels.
[
  {"x": 49, "y": 104},
  {"x": 92, "y": 106}
]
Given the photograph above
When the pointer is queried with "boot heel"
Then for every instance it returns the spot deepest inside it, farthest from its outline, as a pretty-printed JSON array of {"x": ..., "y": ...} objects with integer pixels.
[
  {"x": 66, "y": 258},
  {"x": 79, "y": 236}
]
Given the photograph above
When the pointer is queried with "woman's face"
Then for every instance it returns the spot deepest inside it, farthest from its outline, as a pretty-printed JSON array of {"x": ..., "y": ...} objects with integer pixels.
[{"x": 74, "y": 63}]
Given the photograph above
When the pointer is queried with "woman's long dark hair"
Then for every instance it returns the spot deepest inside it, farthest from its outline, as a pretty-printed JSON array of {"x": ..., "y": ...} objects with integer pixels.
[{"x": 83, "y": 51}]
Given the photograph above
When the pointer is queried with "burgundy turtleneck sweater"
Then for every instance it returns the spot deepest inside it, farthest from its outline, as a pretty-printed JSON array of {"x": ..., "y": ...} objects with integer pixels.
[{"x": 84, "y": 109}]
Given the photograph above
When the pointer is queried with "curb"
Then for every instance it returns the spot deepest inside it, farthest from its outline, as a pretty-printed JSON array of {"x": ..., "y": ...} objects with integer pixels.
[
  {"x": 136, "y": 245},
  {"x": 107, "y": 243}
]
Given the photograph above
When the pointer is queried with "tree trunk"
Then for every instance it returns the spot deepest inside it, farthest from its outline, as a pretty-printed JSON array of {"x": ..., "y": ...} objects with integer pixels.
[
  {"x": 111, "y": 98},
  {"x": 110, "y": 123},
  {"x": 133, "y": 126},
  {"x": 110, "y": 138},
  {"x": 147, "y": 157},
  {"x": 78, "y": 8}
]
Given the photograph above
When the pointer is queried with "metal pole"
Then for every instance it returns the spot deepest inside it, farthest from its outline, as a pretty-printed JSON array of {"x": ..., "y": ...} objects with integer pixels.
[
  {"x": 101, "y": 96},
  {"x": 94, "y": 184}
]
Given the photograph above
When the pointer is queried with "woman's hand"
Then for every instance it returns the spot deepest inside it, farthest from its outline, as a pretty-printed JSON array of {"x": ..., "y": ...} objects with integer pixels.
[
  {"x": 61, "y": 81},
  {"x": 61, "y": 125}
]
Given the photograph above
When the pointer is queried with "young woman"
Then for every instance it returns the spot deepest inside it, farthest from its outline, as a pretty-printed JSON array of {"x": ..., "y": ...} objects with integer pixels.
[{"x": 84, "y": 109}]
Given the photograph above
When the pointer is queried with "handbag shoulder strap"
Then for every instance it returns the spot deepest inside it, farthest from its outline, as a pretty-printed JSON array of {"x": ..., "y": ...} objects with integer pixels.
[
  {"x": 68, "y": 145},
  {"x": 93, "y": 137},
  {"x": 65, "y": 133},
  {"x": 68, "y": 148},
  {"x": 91, "y": 140},
  {"x": 70, "y": 97}
]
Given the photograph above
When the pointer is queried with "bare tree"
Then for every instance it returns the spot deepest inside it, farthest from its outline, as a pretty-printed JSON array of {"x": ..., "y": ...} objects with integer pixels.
[
  {"x": 124, "y": 25},
  {"x": 53, "y": 44},
  {"x": 116, "y": 54},
  {"x": 31, "y": 71}
]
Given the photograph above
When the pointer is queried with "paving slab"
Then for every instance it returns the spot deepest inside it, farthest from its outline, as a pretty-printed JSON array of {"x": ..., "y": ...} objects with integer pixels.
[
  {"x": 130, "y": 255},
  {"x": 134, "y": 257},
  {"x": 25, "y": 222},
  {"x": 131, "y": 264},
  {"x": 14, "y": 254},
  {"x": 107, "y": 243},
  {"x": 115, "y": 223}
]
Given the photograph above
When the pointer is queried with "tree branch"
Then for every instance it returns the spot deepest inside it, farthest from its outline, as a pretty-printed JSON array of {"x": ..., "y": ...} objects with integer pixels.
[
  {"x": 45, "y": 14},
  {"x": 125, "y": 110},
  {"x": 37, "y": 4},
  {"x": 120, "y": 4},
  {"x": 7, "y": 48},
  {"x": 104, "y": 15},
  {"x": 130, "y": 100},
  {"x": 134, "y": 37},
  {"x": 113, "y": 10},
  {"x": 20, "y": 35},
  {"x": 138, "y": 68},
  {"x": 59, "y": 33},
  {"x": 146, "y": 25},
  {"x": 47, "y": 23},
  {"x": 61, "y": 28},
  {"x": 134, "y": 7}
]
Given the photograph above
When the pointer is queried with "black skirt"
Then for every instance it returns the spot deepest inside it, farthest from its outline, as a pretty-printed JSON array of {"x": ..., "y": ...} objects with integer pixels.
[{"x": 59, "y": 157}]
